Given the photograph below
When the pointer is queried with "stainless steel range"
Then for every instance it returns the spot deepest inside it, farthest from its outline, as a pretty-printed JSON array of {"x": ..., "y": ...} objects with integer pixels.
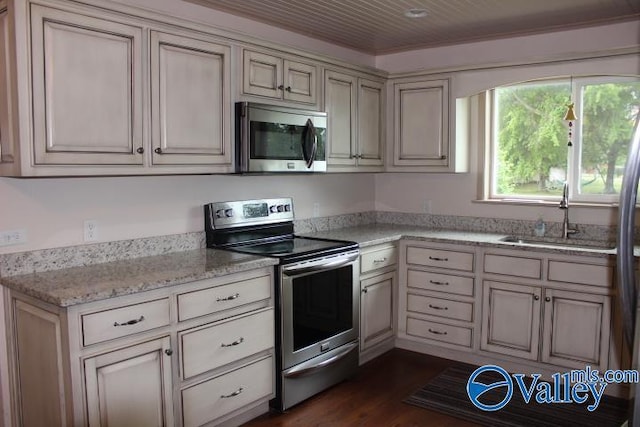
[{"x": 317, "y": 293}]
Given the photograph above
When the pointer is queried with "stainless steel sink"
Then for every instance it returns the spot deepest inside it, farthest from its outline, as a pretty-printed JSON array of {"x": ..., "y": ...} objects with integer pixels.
[{"x": 568, "y": 244}]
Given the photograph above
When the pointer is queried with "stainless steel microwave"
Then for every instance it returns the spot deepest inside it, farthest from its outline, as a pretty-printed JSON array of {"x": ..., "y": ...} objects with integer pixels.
[{"x": 279, "y": 139}]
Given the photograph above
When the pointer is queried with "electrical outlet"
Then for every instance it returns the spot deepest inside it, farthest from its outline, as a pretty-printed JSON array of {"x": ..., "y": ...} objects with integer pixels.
[
  {"x": 90, "y": 230},
  {"x": 426, "y": 206},
  {"x": 316, "y": 210},
  {"x": 13, "y": 237}
]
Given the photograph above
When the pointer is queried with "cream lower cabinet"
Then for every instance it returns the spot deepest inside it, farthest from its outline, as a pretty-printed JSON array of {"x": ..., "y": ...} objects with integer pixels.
[
  {"x": 378, "y": 287},
  {"x": 564, "y": 320},
  {"x": 436, "y": 302},
  {"x": 131, "y": 387},
  {"x": 200, "y": 353}
]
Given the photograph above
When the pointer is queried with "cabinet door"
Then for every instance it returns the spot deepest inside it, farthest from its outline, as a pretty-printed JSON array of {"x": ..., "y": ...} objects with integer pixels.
[
  {"x": 511, "y": 319},
  {"x": 190, "y": 101},
  {"x": 262, "y": 75},
  {"x": 340, "y": 105},
  {"x": 87, "y": 89},
  {"x": 131, "y": 387},
  {"x": 421, "y": 123},
  {"x": 370, "y": 122},
  {"x": 376, "y": 309},
  {"x": 576, "y": 329},
  {"x": 300, "y": 82}
]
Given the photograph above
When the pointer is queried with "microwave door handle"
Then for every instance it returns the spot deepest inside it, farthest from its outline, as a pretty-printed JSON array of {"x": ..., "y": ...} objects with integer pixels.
[{"x": 310, "y": 132}]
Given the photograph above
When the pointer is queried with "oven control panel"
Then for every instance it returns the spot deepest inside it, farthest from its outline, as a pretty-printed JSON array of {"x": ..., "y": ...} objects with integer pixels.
[{"x": 248, "y": 212}]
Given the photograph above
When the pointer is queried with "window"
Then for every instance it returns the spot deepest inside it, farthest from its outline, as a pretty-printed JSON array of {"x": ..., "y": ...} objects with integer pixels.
[{"x": 530, "y": 157}]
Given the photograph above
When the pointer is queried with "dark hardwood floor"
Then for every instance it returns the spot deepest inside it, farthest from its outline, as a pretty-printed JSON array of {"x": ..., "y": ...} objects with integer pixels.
[{"x": 372, "y": 398}]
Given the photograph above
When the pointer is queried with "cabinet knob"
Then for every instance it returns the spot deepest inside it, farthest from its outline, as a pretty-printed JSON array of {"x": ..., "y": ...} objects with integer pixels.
[
  {"x": 536, "y": 297},
  {"x": 158, "y": 150},
  {"x": 547, "y": 299},
  {"x": 140, "y": 150},
  {"x": 288, "y": 89},
  {"x": 365, "y": 290},
  {"x": 168, "y": 352},
  {"x": 281, "y": 87}
]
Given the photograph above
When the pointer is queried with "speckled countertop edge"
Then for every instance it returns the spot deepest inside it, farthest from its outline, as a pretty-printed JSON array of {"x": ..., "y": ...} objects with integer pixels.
[
  {"x": 374, "y": 234},
  {"x": 77, "y": 285}
]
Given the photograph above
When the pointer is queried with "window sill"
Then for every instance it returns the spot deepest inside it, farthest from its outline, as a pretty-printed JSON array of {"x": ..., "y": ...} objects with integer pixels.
[{"x": 545, "y": 203}]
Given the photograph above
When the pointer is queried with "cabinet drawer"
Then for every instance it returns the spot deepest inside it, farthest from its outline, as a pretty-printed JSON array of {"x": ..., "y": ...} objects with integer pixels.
[
  {"x": 452, "y": 260},
  {"x": 119, "y": 322},
  {"x": 439, "y": 332},
  {"x": 513, "y": 266},
  {"x": 219, "y": 396},
  {"x": 586, "y": 274},
  {"x": 378, "y": 258},
  {"x": 440, "y": 307},
  {"x": 211, "y": 300},
  {"x": 440, "y": 282},
  {"x": 210, "y": 347}
]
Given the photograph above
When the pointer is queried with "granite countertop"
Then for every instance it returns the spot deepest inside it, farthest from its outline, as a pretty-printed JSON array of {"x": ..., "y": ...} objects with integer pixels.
[
  {"x": 78, "y": 285},
  {"x": 374, "y": 234}
]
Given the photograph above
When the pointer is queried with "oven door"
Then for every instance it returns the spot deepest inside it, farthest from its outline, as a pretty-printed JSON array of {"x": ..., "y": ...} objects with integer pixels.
[{"x": 320, "y": 306}]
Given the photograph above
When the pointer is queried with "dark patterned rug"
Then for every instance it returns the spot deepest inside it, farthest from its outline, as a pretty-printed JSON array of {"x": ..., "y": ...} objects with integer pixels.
[{"x": 447, "y": 393}]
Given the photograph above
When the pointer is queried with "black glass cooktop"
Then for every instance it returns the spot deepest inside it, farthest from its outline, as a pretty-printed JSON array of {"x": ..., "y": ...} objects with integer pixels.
[{"x": 296, "y": 248}]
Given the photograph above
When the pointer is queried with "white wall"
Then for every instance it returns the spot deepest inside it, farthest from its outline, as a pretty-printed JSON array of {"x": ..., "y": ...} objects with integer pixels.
[{"x": 53, "y": 211}]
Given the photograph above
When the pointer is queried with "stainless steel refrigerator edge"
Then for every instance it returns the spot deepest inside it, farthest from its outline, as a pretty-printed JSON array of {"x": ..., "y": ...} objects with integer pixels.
[{"x": 626, "y": 280}]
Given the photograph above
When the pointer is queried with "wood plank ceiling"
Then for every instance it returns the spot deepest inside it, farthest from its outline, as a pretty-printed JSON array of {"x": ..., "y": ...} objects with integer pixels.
[{"x": 380, "y": 26}]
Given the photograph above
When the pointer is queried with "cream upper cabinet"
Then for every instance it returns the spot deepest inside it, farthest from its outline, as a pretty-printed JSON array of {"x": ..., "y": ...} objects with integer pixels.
[
  {"x": 102, "y": 93},
  {"x": 87, "y": 90},
  {"x": 142, "y": 371},
  {"x": 279, "y": 78},
  {"x": 424, "y": 137},
  {"x": 190, "y": 101},
  {"x": 355, "y": 110}
]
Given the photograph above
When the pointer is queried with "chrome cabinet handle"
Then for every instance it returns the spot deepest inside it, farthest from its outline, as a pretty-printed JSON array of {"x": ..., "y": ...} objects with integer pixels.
[
  {"x": 433, "y": 331},
  {"x": 380, "y": 260},
  {"x": 229, "y": 298},
  {"x": 435, "y": 258},
  {"x": 236, "y": 342},
  {"x": 235, "y": 393},
  {"x": 129, "y": 322},
  {"x": 435, "y": 282},
  {"x": 437, "y": 307},
  {"x": 140, "y": 150}
]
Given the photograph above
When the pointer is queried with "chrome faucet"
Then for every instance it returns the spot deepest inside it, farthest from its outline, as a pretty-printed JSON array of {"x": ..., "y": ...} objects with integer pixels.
[{"x": 564, "y": 205}]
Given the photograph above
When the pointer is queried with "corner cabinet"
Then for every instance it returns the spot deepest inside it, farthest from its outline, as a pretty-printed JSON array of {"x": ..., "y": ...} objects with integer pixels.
[
  {"x": 88, "y": 74},
  {"x": 424, "y": 135},
  {"x": 279, "y": 78},
  {"x": 194, "y": 354},
  {"x": 356, "y": 114}
]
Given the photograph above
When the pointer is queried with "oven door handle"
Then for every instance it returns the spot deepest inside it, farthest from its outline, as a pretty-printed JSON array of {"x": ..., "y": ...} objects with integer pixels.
[
  {"x": 295, "y": 271},
  {"x": 304, "y": 369}
]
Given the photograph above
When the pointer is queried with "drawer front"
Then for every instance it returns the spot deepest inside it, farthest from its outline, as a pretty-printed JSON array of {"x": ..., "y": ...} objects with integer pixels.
[
  {"x": 440, "y": 258},
  {"x": 440, "y": 282},
  {"x": 219, "y": 396},
  {"x": 586, "y": 274},
  {"x": 439, "y": 332},
  {"x": 207, "y": 301},
  {"x": 119, "y": 322},
  {"x": 379, "y": 258},
  {"x": 208, "y": 348},
  {"x": 440, "y": 307},
  {"x": 513, "y": 266}
]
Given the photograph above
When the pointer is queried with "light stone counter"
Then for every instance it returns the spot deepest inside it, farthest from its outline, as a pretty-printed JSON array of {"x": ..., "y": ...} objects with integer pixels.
[
  {"x": 374, "y": 234},
  {"x": 76, "y": 285}
]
